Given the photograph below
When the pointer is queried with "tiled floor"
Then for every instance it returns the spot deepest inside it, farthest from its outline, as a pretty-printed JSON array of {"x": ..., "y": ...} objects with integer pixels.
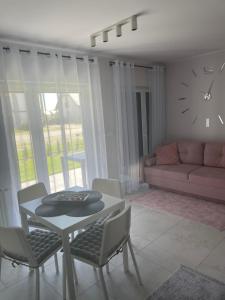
[{"x": 161, "y": 241}]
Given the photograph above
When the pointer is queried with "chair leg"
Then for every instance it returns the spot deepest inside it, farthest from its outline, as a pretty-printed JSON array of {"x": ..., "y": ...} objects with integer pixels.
[
  {"x": 125, "y": 259},
  {"x": 75, "y": 273},
  {"x": 103, "y": 284},
  {"x": 64, "y": 278},
  {"x": 56, "y": 263},
  {"x": 37, "y": 297},
  {"x": 135, "y": 263},
  {"x": 107, "y": 268}
]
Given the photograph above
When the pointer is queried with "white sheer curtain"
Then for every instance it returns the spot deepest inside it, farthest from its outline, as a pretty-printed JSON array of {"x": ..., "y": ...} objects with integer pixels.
[
  {"x": 158, "y": 105},
  {"x": 126, "y": 125},
  {"x": 53, "y": 118}
]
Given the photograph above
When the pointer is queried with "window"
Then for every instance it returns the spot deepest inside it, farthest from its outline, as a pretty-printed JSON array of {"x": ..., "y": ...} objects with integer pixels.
[{"x": 61, "y": 132}]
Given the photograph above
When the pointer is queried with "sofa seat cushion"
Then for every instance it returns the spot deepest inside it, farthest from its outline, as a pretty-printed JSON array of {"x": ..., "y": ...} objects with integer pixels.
[
  {"x": 177, "y": 172},
  {"x": 214, "y": 155},
  {"x": 208, "y": 176},
  {"x": 190, "y": 152}
]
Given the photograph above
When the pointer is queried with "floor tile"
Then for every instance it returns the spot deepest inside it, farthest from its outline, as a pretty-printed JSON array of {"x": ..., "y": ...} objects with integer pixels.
[
  {"x": 214, "y": 263},
  {"x": 151, "y": 224},
  {"x": 161, "y": 243},
  {"x": 25, "y": 290}
]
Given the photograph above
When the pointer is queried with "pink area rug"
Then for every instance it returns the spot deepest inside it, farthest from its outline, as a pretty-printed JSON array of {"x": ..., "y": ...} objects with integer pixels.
[{"x": 199, "y": 210}]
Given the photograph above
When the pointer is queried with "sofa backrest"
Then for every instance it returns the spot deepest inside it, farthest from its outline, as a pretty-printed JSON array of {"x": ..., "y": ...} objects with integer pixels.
[
  {"x": 214, "y": 155},
  {"x": 191, "y": 152}
]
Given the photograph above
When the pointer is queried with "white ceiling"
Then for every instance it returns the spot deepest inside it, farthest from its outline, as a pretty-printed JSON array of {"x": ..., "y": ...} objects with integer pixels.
[{"x": 169, "y": 29}]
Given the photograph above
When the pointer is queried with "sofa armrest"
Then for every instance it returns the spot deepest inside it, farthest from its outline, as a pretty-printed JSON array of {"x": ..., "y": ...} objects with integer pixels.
[
  {"x": 146, "y": 161},
  {"x": 149, "y": 161}
]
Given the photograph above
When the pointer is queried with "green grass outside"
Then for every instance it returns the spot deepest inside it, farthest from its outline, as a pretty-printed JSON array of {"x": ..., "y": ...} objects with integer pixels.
[{"x": 54, "y": 154}]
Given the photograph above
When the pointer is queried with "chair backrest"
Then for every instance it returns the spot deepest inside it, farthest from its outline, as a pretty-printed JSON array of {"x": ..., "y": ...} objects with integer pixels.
[
  {"x": 32, "y": 192},
  {"x": 116, "y": 231},
  {"x": 13, "y": 243},
  {"x": 110, "y": 187}
]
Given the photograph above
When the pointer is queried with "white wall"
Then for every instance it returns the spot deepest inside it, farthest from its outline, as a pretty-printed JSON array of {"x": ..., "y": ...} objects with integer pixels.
[
  {"x": 141, "y": 77},
  {"x": 180, "y": 125}
]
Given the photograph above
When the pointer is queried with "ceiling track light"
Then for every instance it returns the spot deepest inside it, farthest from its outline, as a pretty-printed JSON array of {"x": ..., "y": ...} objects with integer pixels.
[
  {"x": 105, "y": 37},
  {"x": 117, "y": 27},
  {"x": 93, "y": 41},
  {"x": 134, "y": 23}
]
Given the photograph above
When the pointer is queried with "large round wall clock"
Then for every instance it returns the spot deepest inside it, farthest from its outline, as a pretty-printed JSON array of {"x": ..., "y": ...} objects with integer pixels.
[{"x": 199, "y": 99}]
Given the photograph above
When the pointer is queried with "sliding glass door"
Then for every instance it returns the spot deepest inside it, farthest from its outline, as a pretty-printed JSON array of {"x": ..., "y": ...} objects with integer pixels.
[
  {"x": 53, "y": 117},
  {"x": 50, "y": 144}
]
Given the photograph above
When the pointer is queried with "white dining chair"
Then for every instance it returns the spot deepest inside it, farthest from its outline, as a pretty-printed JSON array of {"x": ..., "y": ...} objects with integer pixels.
[
  {"x": 108, "y": 186},
  {"x": 98, "y": 244},
  {"x": 111, "y": 187},
  {"x": 31, "y": 250},
  {"x": 32, "y": 192}
]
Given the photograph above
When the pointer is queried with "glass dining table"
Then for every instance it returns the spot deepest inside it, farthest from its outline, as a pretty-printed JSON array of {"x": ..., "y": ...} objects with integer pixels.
[{"x": 64, "y": 225}]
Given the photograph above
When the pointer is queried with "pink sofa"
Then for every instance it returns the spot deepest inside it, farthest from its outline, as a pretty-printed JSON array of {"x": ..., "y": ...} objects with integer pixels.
[{"x": 201, "y": 170}]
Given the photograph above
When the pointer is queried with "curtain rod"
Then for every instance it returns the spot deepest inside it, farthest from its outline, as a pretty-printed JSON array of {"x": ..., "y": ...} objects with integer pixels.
[
  {"x": 47, "y": 54},
  {"x": 137, "y": 66}
]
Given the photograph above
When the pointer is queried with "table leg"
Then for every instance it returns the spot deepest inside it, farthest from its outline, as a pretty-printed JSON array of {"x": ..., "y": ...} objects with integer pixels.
[
  {"x": 24, "y": 222},
  {"x": 69, "y": 268}
]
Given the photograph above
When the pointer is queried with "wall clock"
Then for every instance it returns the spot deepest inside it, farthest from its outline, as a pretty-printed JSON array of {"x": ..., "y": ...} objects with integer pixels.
[{"x": 205, "y": 96}]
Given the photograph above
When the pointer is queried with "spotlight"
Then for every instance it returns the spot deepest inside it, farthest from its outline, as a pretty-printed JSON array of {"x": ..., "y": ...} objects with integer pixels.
[
  {"x": 118, "y": 30},
  {"x": 93, "y": 41},
  {"x": 105, "y": 36},
  {"x": 134, "y": 23}
]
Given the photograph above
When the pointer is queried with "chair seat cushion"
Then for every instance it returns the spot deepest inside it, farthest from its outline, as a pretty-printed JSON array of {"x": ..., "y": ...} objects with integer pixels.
[
  {"x": 208, "y": 176},
  {"x": 87, "y": 245},
  {"x": 177, "y": 172},
  {"x": 42, "y": 243}
]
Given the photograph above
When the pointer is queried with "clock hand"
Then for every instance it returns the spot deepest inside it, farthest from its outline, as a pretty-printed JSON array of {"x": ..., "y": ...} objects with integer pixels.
[{"x": 210, "y": 87}]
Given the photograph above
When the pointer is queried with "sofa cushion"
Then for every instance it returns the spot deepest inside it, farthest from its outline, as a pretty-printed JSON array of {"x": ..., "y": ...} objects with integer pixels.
[
  {"x": 191, "y": 152},
  {"x": 167, "y": 155},
  {"x": 208, "y": 176},
  {"x": 177, "y": 172},
  {"x": 214, "y": 155}
]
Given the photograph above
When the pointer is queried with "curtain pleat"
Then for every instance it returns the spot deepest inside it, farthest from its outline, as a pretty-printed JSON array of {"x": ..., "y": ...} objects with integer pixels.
[
  {"x": 52, "y": 110},
  {"x": 126, "y": 126}
]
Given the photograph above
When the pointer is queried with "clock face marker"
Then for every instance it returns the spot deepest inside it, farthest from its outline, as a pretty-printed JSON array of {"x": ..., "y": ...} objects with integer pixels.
[
  {"x": 184, "y": 84},
  {"x": 208, "y": 70},
  {"x": 194, "y": 120},
  {"x": 185, "y": 110},
  {"x": 194, "y": 73},
  {"x": 221, "y": 120},
  {"x": 222, "y": 67},
  {"x": 207, "y": 122},
  {"x": 182, "y": 98}
]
